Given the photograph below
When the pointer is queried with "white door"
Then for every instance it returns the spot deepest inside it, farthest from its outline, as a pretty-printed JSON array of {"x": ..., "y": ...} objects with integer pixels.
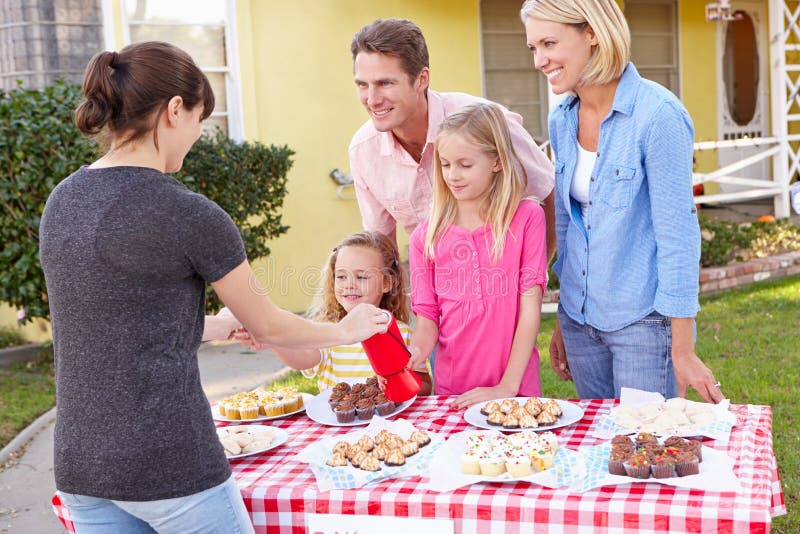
[{"x": 743, "y": 87}]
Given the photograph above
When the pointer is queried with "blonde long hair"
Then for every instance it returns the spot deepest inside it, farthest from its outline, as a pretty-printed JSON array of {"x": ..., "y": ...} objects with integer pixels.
[
  {"x": 326, "y": 308},
  {"x": 483, "y": 125}
]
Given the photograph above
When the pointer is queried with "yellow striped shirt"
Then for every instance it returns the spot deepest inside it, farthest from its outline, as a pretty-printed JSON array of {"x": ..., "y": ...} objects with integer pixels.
[{"x": 348, "y": 363}]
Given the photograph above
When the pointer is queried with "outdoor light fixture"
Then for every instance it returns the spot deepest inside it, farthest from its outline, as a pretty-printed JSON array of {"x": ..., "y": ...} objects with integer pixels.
[
  {"x": 341, "y": 178},
  {"x": 719, "y": 11}
]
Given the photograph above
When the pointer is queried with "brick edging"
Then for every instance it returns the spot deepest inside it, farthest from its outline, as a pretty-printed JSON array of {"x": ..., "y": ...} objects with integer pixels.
[{"x": 735, "y": 274}]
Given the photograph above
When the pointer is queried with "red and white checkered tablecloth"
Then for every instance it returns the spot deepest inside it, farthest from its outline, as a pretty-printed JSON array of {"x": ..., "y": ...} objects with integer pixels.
[{"x": 279, "y": 491}]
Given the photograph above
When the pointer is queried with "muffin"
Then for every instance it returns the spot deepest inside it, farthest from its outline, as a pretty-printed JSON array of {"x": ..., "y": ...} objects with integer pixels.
[
  {"x": 617, "y": 459},
  {"x": 248, "y": 409},
  {"x": 273, "y": 408},
  {"x": 686, "y": 464},
  {"x": 638, "y": 466},
  {"x": 365, "y": 409},
  {"x": 345, "y": 412},
  {"x": 662, "y": 466}
]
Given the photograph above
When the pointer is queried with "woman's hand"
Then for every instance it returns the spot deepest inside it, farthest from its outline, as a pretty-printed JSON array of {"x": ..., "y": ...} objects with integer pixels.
[
  {"x": 558, "y": 355},
  {"x": 363, "y": 322},
  {"x": 482, "y": 394},
  {"x": 691, "y": 371}
]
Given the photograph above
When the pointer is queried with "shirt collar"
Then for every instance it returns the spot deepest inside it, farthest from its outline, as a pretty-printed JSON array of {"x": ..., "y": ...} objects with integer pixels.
[{"x": 624, "y": 96}]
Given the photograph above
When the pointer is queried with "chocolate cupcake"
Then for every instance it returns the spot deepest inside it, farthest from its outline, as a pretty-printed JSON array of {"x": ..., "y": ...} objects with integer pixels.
[
  {"x": 342, "y": 387},
  {"x": 653, "y": 449},
  {"x": 645, "y": 437},
  {"x": 345, "y": 412},
  {"x": 663, "y": 466},
  {"x": 372, "y": 381},
  {"x": 622, "y": 441},
  {"x": 365, "y": 409},
  {"x": 638, "y": 466},
  {"x": 687, "y": 464},
  {"x": 370, "y": 392},
  {"x": 696, "y": 448},
  {"x": 357, "y": 389},
  {"x": 676, "y": 442},
  {"x": 617, "y": 459},
  {"x": 383, "y": 406}
]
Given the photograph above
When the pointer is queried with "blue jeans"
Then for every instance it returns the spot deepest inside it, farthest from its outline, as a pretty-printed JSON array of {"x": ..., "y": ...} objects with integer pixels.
[
  {"x": 636, "y": 356},
  {"x": 217, "y": 510}
]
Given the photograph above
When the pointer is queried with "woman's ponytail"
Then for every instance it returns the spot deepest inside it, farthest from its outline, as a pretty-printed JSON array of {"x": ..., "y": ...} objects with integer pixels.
[{"x": 101, "y": 95}]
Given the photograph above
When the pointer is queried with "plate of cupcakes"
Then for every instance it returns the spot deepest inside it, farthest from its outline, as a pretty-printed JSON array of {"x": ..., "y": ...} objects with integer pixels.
[{"x": 353, "y": 404}]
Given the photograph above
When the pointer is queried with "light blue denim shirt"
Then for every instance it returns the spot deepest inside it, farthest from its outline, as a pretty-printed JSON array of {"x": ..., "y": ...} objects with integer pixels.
[{"x": 638, "y": 250}]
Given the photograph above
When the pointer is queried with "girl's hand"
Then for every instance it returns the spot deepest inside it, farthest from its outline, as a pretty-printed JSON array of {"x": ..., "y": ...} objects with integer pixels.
[
  {"x": 381, "y": 383},
  {"x": 416, "y": 358},
  {"x": 558, "y": 355},
  {"x": 245, "y": 338},
  {"x": 363, "y": 322},
  {"x": 482, "y": 394}
]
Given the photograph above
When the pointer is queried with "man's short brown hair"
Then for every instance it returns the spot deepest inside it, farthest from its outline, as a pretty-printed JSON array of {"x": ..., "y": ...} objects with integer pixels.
[{"x": 394, "y": 37}]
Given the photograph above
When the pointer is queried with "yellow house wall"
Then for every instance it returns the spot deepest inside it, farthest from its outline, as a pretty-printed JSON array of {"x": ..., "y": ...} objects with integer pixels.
[
  {"x": 699, "y": 77},
  {"x": 298, "y": 90}
]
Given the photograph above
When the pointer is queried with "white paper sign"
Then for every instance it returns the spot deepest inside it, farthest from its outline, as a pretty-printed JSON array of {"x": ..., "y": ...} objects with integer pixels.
[{"x": 365, "y": 524}]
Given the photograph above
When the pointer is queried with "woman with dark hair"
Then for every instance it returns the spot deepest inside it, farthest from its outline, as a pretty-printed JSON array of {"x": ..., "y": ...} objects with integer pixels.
[{"x": 126, "y": 252}]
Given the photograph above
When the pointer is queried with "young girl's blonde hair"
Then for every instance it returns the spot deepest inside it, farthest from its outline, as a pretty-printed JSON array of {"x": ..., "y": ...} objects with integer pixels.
[
  {"x": 325, "y": 307},
  {"x": 483, "y": 125}
]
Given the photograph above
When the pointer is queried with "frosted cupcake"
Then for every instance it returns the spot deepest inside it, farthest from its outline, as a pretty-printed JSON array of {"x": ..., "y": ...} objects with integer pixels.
[
  {"x": 248, "y": 409},
  {"x": 492, "y": 464},
  {"x": 663, "y": 466},
  {"x": 542, "y": 459},
  {"x": 549, "y": 439},
  {"x": 518, "y": 465},
  {"x": 470, "y": 463},
  {"x": 638, "y": 466}
]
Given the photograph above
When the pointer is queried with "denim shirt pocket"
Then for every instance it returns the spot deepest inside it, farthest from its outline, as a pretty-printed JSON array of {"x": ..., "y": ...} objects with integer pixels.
[{"x": 616, "y": 186}]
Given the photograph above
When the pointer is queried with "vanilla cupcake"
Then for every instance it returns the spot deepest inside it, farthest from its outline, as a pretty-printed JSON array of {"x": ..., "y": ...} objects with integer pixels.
[
  {"x": 518, "y": 465},
  {"x": 231, "y": 410},
  {"x": 248, "y": 409},
  {"x": 549, "y": 440},
  {"x": 470, "y": 463},
  {"x": 542, "y": 459},
  {"x": 492, "y": 464}
]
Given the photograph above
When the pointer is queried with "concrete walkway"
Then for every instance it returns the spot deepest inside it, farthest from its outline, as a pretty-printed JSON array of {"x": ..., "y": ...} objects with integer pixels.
[{"x": 26, "y": 481}]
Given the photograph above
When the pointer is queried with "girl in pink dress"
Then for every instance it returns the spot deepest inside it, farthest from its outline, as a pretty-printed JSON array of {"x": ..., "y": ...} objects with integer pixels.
[{"x": 479, "y": 265}]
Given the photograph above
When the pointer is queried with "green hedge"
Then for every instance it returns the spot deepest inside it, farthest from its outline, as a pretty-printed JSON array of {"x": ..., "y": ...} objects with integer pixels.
[{"x": 40, "y": 146}]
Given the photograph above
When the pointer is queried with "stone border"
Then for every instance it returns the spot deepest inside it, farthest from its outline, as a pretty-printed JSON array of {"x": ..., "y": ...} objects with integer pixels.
[
  {"x": 735, "y": 274},
  {"x": 20, "y": 353}
]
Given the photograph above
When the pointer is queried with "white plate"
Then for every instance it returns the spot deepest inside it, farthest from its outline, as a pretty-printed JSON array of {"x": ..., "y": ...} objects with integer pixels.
[
  {"x": 571, "y": 414},
  {"x": 320, "y": 411},
  {"x": 217, "y": 417},
  {"x": 279, "y": 437}
]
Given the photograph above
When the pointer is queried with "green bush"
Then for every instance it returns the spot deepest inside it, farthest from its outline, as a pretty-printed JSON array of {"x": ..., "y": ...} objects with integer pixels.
[
  {"x": 40, "y": 146},
  {"x": 726, "y": 241}
]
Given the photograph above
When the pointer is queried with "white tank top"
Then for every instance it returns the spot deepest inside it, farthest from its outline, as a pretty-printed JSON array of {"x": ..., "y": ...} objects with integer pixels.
[{"x": 579, "y": 190}]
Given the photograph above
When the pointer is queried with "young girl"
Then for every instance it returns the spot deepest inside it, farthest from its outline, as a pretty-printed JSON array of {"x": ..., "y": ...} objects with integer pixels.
[
  {"x": 362, "y": 268},
  {"x": 479, "y": 265}
]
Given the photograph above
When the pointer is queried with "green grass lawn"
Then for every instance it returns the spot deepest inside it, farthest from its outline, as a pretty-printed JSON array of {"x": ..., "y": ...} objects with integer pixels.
[{"x": 749, "y": 337}]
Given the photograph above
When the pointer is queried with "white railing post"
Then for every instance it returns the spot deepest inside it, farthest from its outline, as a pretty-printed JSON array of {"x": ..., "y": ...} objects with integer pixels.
[{"x": 781, "y": 97}]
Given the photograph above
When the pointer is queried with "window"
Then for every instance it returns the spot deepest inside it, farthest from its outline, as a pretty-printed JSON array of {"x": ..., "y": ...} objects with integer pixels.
[
  {"x": 206, "y": 30},
  {"x": 508, "y": 74},
  {"x": 654, "y": 40}
]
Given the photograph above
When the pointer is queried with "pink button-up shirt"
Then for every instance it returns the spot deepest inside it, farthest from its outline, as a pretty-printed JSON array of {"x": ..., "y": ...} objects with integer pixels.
[
  {"x": 475, "y": 302},
  {"x": 392, "y": 188}
]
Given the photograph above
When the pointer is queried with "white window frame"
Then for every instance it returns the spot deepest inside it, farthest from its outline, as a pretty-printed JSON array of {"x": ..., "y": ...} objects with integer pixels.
[{"x": 234, "y": 112}]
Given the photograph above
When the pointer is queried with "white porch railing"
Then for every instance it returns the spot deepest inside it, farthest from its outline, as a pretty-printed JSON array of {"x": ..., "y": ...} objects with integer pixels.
[{"x": 726, "y": 175}]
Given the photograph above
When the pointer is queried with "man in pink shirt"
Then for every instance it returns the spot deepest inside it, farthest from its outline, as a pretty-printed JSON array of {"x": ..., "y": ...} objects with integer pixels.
[{"x": 391, "y": 155}]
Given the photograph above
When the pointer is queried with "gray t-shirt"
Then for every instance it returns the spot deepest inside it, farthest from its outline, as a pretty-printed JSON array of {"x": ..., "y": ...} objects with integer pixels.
[{"x": 126, "y": 253}]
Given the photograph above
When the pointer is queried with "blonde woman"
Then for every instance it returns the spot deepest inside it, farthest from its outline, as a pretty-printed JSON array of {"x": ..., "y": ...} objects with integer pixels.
[
  {"x": 479, "y": 265},
  {"x": 626, "y": 226}
]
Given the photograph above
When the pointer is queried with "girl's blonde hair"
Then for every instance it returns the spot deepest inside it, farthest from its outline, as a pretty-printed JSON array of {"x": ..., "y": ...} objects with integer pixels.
[
  {"x": 604, "y": 17},
  {"x": 483, "y": 125},
  {"x": 325, "y": 307}
]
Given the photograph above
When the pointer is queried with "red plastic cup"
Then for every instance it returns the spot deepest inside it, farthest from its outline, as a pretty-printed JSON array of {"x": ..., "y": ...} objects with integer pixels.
[{"x": 389, "y": 357}]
